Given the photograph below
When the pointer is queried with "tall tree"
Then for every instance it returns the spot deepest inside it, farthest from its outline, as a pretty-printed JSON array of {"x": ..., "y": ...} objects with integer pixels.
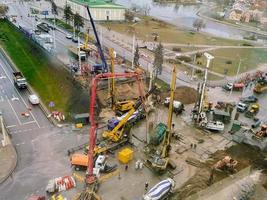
[
  {"x": 67, "y": 13},
  {"x": 53, "y": 7},
  {"x": 158, "y": 59},
  {"x": 78, "y": 21},
  {"x": 3, "y": 10},
  {"x": 199, "y": 24},
  {"x": 136, "y": 57}
]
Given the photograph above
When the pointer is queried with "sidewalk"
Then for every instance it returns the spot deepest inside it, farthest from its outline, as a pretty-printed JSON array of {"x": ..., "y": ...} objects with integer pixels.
[{"x": 8, "y": 157}]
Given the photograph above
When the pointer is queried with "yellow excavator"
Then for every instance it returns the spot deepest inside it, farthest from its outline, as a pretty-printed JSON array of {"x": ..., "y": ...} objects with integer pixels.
[
  {"x": 85, "y": 47},
  {"x": 159, "y": 160},
  {"x": 117, "y": 132}
]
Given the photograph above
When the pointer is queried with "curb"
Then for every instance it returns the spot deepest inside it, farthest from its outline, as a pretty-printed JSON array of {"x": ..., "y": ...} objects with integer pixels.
[
  {"x": 29, "y": 88},
  {"x": 15, "y": 160}
]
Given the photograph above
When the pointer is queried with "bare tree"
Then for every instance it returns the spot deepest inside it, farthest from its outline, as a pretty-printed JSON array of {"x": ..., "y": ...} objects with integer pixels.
[
  {"x": 129, "y": 16},
  {"x": 199, "y": 24},
  {"x": 146, "y": 9},
  {"x": 158, "y": 59},
  {"x": 3, "y": 10},
  {"x": 136, "y": 57}
]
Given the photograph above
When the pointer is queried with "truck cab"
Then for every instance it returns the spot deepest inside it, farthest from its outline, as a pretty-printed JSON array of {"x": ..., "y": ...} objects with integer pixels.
[{"x": 19, "y": 80}]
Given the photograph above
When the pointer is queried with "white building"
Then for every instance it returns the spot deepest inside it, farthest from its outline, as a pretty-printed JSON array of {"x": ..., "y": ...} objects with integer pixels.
[{"x": 101, "y": 10}]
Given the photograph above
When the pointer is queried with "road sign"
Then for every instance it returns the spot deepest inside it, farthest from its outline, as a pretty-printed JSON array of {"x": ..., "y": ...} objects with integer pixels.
[
  {"x": 45, "y": 12},
  {"x": 51, "y": 104}
]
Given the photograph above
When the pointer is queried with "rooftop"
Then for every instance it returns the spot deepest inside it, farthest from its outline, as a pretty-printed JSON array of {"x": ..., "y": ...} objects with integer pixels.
[{"x": 99, "y": 4}]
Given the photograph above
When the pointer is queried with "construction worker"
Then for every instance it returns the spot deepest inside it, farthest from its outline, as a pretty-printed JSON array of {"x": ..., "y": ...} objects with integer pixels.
[
  {"x": 126, "y": 167},
  {"x": 146, "y": 186}
]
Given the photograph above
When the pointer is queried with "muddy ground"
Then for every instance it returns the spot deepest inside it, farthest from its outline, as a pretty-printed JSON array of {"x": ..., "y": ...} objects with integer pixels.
[
  {"x": 186, "y": 95},
  {"x": 244, "y": 154}
]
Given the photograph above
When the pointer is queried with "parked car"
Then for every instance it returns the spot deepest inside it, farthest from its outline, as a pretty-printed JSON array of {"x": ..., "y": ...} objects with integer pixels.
[
  {"x": 242, "y": 107},
  {"x": 249, "y": 99},
  {"x": 69, "y": 36},
  {"x": 34, "y": 99},
  {"x": 75, "y": 39}
]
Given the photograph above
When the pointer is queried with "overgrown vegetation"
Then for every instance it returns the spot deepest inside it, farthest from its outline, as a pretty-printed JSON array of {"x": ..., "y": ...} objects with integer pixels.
[{"x": 44, "y": 73}]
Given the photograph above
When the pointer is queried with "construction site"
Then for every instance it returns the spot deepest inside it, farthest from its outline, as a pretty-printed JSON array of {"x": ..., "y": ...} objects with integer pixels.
[
  {"x": 149, "y": 142},
  {"x": 148, "y": 139}
]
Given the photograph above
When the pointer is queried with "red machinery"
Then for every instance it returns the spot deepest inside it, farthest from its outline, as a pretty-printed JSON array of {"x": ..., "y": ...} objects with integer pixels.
[{"x": 92, "y": 132}]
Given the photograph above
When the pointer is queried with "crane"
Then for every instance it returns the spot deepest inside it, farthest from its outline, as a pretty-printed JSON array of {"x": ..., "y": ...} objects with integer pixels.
[
  {"x": 92, "y": 132},
  {"x": 160, "y": 162},
  {"x": 103, "y": 68}
]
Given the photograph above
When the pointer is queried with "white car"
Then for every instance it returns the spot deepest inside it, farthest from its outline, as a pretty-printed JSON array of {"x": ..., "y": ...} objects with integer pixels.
[
  {"x": 34, "y": 99},
  {"x": 69, "y": 36},
  {"x": 215, "y": 126},
  {"x": 241, "y": 107}
]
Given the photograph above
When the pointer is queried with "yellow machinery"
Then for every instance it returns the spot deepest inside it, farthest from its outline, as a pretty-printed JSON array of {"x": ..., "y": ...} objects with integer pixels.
[
  {"x": 259, "y": 88},
  {"x": 160, "y": 162},
  {"x": 85, "y": 47},
  {"x": 116, "y": 134},
  {"x": 121, "y": 106}
]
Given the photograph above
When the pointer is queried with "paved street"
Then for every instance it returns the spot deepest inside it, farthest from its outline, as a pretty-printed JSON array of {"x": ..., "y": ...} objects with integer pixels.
[{"x": 40, "y": 146}]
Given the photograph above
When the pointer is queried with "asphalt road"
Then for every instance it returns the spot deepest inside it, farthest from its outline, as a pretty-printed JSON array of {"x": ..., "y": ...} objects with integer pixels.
[{"x": 41, "y": 147}]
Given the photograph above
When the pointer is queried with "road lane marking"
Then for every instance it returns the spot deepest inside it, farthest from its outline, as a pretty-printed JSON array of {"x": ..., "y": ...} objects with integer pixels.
[
  {"x": 20, "y": 95},
  {"x": 2, "y": 99},
  {"x": 10, "y": 126},
  {"x": 14, "y": 111},
  {"x": 30, "y": 122}
]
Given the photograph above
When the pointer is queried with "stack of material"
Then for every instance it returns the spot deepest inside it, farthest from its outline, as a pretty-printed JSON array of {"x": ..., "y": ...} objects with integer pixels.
[{"x": 60, "y": 184}]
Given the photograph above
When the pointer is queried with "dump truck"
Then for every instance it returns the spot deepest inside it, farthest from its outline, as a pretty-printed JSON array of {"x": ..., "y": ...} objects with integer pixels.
[
  {"x": 160, "y": 191},
  {"x": 178, "y": 107},
  {"x": 234, "y": 86},
  {"x": 80, "y": 162},
  {"x": 19, "y": 80}
]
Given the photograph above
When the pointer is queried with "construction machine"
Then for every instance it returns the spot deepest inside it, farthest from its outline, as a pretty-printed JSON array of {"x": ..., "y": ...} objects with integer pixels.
[
  {"x": 97, "y": 149},
  {"x": 117, "y": 133},
  {"x": 226, "y": 164},
  {"x": 85, "y": 47},
  {"x": 253, "y": 110},
  {"x": 103, "y": 68},
  {"x": 159, "y": 159}
]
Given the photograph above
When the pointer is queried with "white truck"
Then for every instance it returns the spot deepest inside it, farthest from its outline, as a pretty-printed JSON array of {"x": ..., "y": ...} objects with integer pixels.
[
  {"x": 215, "y": 126},
  {"x": 178, "y": 107},
  {"x": 19, "y": 80},
  {"x": 160, "y": 191}
]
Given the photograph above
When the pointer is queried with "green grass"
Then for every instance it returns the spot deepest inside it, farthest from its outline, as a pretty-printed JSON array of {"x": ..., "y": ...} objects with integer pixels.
[
  {"x": 251, "y": 59},
  {"x": 45, "y": 74},
  {"x": 167, "y": 33}
]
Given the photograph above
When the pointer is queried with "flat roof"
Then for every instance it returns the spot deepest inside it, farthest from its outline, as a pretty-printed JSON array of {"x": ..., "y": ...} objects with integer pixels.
[{"x": 99, "y": 4}]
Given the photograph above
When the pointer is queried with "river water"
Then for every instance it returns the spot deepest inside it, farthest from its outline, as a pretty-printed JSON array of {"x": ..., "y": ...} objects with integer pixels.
[{"x": 184, "y": 16}]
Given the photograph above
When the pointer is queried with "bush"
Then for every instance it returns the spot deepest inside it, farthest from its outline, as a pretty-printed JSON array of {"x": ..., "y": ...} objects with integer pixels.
[
  {"x": 184, "y": 58},
  {"x": 177, "y": 49}
]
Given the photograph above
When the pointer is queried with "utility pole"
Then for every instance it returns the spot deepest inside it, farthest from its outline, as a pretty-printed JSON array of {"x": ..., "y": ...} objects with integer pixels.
[
  {"x": 79, "y": 52},
  {"x": 73, "y": 29},
  {"x": 133, "y": 49},
  {"x": 238, "y": 69},
  {"x": 112, "y": 86}
]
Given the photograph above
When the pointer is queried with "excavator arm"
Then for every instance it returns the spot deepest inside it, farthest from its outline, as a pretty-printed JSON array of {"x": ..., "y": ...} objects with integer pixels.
[{"x": 116, "y": 134}]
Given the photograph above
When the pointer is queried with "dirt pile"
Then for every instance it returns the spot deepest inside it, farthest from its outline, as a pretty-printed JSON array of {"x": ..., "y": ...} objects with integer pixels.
[
  {"x": 186, "y": 95},
  {"x": 127, "y": 91}
]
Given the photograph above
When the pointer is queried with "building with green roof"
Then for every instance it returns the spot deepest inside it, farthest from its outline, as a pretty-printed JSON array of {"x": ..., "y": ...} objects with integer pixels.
[{"x": 101, "y": 10}]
